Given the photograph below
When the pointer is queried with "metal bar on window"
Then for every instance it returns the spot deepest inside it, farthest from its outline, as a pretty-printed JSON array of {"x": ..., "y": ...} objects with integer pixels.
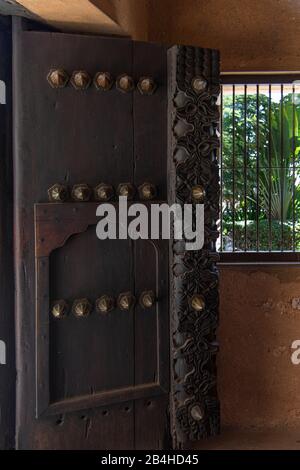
[
  {"x": 282, "y": 163},
  {"x": 270, "y": 165},
  {"x": 221, "y": 170},
  {"x": 245, "y": 166},
  {"x": 257, "y": 167},
  {"x": 233, "y": 168},
  {"x": 294, "y": 156}
]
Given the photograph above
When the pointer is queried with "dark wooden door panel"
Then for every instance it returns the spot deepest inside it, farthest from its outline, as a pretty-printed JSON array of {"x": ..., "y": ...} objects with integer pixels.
[
  {"x": 88, "y": 429},
  {"x": 152, "y": 423},
  {"x": 83, "y": 353},
  {"x": 65, "y": 136},
  {"x": 76, "y": 136},
  {"x": 83, "y": 365},
  {"x": 149, "y": 118},
  {"x": 7, "y": 340},
  {"x": 110, "y": 381}
]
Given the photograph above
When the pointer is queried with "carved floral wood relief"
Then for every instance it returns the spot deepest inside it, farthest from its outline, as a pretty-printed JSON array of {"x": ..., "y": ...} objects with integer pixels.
[{"x": 193, "y": 145}]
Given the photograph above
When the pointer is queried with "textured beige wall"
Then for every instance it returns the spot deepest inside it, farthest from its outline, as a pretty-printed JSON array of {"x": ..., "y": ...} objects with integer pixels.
[
  {"x": 258, "y": 384},
  {"x": 251, "y": 34}
]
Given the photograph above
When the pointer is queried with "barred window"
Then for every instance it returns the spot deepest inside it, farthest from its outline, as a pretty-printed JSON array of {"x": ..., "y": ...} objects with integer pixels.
[{"x": 260, "y": 168}]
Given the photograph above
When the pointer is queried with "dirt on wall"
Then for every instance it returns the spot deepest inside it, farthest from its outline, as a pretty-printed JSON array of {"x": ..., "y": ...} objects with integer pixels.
[{"x": 259, "y": 320}]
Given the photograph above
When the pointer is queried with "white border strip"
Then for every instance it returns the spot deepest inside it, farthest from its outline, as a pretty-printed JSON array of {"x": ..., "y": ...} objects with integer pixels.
[{"x": 2, "y": 92}]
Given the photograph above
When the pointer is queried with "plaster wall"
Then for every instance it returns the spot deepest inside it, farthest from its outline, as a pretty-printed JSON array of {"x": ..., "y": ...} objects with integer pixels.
[{"x": 259, "y": 320}]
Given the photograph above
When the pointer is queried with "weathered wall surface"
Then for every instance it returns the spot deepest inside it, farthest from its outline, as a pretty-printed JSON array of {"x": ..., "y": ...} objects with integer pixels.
[
  {"x": 258, "y": 384},
  {"x": 256, "y": 35},
  {"x": 251, "y": 35}
]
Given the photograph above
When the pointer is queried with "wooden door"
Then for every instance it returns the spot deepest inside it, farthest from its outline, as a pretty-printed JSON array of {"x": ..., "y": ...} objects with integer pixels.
[
  {"x": 87, "y": 379},
  {"x": 7, "y": 344}
]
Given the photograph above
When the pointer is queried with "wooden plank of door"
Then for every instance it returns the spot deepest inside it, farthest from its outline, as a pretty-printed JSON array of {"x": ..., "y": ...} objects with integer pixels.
[
  {"x": 66, "y": 136},
  {"x": 7, "y": 336},
  {"x": 151, "y": 260}
]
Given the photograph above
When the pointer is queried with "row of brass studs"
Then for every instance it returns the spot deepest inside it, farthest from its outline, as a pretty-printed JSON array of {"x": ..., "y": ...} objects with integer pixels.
[
  {"x": 103, "y": 81},
  {"x": 102, "y": 192},
  {"x": 105, "y": 192},
  {"x": 83, "y": 307}
]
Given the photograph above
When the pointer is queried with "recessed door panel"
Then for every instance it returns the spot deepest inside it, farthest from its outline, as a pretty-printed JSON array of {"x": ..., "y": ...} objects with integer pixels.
[{"x": 84, "y": 358}]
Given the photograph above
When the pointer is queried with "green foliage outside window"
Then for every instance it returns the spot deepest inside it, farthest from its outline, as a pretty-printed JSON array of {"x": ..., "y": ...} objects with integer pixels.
[{"x": 261, "y": 160}]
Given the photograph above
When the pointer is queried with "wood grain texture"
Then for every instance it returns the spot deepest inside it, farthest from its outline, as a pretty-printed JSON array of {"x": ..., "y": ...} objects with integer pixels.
[
  {"x": 150, "y": 143},
  {"x": 76, "y": 137},
  {"x": 89, "y": 137},
  {"x": 193, "y": 145}
]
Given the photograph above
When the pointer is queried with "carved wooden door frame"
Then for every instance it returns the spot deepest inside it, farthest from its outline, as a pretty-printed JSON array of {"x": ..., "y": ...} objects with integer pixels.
[{"x": 193, "y": 116}]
